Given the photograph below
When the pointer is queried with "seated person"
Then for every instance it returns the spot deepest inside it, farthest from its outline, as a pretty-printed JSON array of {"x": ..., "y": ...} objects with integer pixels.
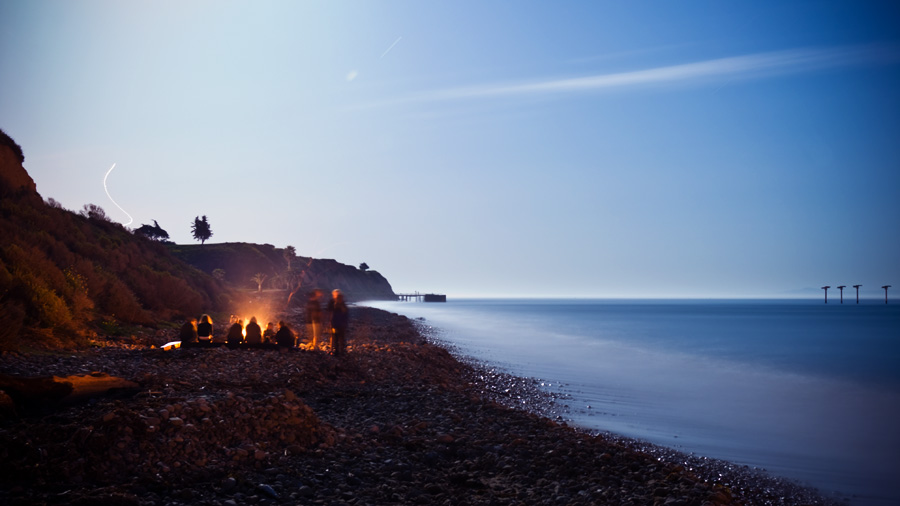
[
  {"x": 269, "y": 334},
  {"x": 284, "y": 338},
  {"x": 189, "y": 332},
  {"x": 205, "y": 329},
  {"x": 254, "y": 332},
  {"x": 236, "y": 333}
]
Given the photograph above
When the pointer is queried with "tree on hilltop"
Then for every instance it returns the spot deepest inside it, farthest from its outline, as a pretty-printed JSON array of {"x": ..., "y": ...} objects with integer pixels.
[
  {"x": 289, "y": 254},
  {"x": 364, "y": 267},
  {"x": 154, "y": 233},
  {"x": 94, "y": 212},
  {"x": 201, "y": 230}
]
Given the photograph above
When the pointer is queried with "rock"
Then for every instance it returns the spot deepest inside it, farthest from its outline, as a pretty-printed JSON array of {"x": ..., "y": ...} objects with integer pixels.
[
  {"x": 13, "y": 175},
  {"x": 268, "y": 490},
  {"x": 7, "y": 407}
]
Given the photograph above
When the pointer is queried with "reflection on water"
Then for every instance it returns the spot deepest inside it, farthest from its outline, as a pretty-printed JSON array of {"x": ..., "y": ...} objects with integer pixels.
[{"x": 807, "y": 392}]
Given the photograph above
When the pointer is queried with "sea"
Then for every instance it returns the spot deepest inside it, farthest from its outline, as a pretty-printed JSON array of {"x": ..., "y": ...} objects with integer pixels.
[{"x": 802, "y": 389}]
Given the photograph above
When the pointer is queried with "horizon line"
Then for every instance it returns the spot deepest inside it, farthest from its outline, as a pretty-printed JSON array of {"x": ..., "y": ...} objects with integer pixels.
[{"x": 655, "y": 297}]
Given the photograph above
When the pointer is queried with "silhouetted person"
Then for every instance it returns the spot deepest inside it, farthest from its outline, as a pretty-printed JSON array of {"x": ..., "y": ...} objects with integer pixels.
[
  {"x": 253, "y": 332},
  {"x": 188, "y": 333},
  {"x": 314, "y": 316},
  {"x": 236, "y": 333},
  {"x": 284, "y": 338},
  {"x": 269, "y": 333},
  {"x": 339, "y": 321},
  {"x": 222, "y": 337},
  {"x": 205, "y": 329}
]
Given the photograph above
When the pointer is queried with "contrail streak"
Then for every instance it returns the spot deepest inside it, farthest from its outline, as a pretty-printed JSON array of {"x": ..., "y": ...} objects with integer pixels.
[
  {"x": 745, "y": 67},
  {"x": 392, "y": 47},
  {"x": 130, "y": 219}
]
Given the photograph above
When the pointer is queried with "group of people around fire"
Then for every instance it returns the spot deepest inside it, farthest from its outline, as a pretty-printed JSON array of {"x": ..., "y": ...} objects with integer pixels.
[{"x": 253, "y": 335}]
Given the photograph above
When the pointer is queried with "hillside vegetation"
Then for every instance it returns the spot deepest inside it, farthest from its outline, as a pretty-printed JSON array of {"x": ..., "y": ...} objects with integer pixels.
[
  {"x": 65, "y": 275},
  {"x": 238, "y": 263}
]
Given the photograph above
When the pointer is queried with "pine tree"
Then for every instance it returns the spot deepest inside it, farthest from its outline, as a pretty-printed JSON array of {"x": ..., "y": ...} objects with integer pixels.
[{"x": 201, "y": 230}]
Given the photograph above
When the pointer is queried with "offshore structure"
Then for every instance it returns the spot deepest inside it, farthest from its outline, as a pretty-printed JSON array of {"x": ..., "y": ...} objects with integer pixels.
[{"x": 420, "y": 297}]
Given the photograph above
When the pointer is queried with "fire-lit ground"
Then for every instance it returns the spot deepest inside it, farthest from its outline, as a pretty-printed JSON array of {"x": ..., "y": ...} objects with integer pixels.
[{"x": 395, "y": 421}]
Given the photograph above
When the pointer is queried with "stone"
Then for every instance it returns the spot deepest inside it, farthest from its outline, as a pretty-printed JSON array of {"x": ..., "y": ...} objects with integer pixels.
[{"x": 268, "y": 490}]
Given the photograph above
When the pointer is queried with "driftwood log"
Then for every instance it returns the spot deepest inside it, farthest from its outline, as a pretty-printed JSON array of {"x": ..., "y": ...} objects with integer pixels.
[{"x": 19, "y": 393}]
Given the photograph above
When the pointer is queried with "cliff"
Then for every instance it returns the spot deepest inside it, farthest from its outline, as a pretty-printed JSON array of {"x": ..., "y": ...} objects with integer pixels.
[
  {"x": 65, "y": 276},
  {"x": 240, "y": 262},
  {"x": 13, "y": 176}
]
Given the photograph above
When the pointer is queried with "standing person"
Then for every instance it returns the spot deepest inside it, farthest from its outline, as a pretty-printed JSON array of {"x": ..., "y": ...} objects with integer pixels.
[
  {"x": 253, "y": 332},
  {"x": 314, "y": 316},
  {"x": 235, "y": 333},
  {"x": 205, "y": 329},
  {"x": 284, "y": 338},
  {"x": 339, "y": 320}
]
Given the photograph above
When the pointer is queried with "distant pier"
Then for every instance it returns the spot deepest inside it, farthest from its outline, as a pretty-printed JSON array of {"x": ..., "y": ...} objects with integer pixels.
[{"x": 422, "y": 297}]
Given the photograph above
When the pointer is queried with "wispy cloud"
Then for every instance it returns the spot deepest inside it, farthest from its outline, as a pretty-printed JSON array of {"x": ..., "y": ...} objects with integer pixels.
[{"x": 752, "y": 66}]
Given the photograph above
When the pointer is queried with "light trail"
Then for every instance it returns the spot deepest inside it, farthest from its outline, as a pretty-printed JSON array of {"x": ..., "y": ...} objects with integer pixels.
[
  {"x": 130, "y": 219},
  {"x": 392, "y": 47}
]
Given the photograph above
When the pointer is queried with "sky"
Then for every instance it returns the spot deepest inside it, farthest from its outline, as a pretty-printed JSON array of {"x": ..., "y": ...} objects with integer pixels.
[{"x": 483, "y": 148}]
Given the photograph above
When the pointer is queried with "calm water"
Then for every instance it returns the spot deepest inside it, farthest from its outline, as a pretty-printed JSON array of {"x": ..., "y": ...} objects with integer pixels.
[{"x": 805, "y": 390}]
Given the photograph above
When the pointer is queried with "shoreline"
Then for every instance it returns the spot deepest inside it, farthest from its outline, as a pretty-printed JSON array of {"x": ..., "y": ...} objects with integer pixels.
[
  {"x": 399, "y": 420},
  {"x": 798, "y": 391},
  {"x": 526, "y": 395}
]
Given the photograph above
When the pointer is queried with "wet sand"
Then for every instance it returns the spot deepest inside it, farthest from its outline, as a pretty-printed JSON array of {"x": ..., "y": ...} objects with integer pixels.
[{"x": 398, "y": 420}]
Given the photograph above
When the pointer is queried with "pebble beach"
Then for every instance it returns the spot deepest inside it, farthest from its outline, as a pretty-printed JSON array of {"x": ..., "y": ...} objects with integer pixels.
[{"x": 397, "y": 420}]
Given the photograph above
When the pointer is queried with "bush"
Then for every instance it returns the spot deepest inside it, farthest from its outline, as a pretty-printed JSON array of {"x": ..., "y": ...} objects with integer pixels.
[
  {"x": 12, "y": 320},
  {"x": 121, "y": 303}
]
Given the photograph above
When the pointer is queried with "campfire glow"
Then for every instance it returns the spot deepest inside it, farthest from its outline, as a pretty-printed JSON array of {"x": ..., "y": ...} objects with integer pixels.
[{"x": 246, "y": 319}]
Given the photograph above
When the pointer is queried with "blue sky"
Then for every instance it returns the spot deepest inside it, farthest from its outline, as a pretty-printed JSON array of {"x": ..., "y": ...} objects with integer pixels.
[{"x": 609, "y": 149}]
